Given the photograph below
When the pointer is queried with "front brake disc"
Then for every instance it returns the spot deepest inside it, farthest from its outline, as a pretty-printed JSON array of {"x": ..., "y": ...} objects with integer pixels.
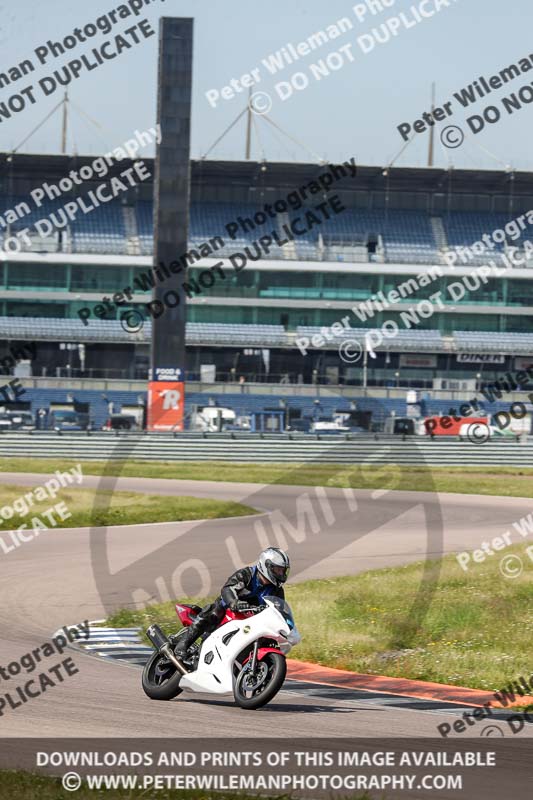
[{"x": 255, "y": 680}]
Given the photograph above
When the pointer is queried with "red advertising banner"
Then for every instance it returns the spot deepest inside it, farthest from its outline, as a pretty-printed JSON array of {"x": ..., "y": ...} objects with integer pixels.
[
  {"x": 166, "y": 404},
  {"x": 451, "y": 426},
  {"x": 425, "y": 362}
]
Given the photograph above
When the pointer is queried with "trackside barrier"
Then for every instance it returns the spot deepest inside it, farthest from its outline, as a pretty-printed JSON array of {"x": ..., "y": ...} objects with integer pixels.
[{"x": 252, "y": 448}]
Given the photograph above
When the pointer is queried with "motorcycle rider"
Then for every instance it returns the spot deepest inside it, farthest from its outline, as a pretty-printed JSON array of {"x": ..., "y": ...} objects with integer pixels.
[{"x": 246, "y": 587}]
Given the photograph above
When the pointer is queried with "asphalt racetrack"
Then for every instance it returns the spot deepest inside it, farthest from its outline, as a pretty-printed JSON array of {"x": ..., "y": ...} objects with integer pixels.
[{"x": 66, "y": 576}]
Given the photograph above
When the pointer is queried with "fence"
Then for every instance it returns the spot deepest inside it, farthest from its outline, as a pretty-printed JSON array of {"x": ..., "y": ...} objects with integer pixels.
[{"x": 268, "y": 448}]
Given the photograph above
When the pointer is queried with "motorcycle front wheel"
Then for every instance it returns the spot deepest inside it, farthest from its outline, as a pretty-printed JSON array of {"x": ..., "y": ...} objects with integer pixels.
[
  {"x": 253, "y": 691},
  {"x": 161, "y": 679}
]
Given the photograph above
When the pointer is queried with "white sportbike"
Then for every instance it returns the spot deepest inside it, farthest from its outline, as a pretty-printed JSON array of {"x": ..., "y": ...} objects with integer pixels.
[{"x": 245, "y": 655}]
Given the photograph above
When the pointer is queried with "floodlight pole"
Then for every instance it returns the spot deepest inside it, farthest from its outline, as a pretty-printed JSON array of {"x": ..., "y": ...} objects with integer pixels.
[
  {"x": 431, "y": 128},
  {"x": 65, "y": 123},
  {"x": 249, "y": 126}
]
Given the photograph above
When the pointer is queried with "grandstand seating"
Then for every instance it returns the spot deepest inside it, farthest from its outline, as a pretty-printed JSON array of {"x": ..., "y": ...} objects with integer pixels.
[
  {"x": 407, "y": 236},
  {"x": 468, "y": 227},
  {"x": 53, "y": 329},
  {"x": 417, "y": 340},
  {"x": 464, "y": 228},
  {"x": 99, "y": 330},
  {"x": 101, "y": 231},
  {"x": 208, "y": 220},
  {"x": 402, "y": 236},
  {"x": 484, "y": 341},
  {"x": 259, "y": 335}
]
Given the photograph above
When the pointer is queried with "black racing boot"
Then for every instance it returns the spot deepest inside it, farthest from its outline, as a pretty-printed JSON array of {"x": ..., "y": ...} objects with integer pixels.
[
  {"x": 205, "y": 623},
  {"x": 188, "y": 638}
]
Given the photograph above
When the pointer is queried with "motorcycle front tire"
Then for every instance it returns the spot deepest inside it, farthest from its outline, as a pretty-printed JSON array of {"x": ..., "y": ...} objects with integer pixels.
[{"x": 277, "y": 670}]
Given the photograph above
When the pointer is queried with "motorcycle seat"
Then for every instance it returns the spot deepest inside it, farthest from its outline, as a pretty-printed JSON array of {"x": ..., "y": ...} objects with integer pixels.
[{"x": 194, "y": 609}]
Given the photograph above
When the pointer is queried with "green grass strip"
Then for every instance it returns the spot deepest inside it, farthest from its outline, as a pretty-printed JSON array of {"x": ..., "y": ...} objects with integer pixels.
[
  {"x": 25, "y": 786},
  {"x": 87, "y": 507},
  {"x": 503, "y": 481}
]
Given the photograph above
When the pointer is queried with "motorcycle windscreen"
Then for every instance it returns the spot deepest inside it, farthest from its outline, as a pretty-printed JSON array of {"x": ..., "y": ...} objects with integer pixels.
[{"x": 284, "y": 609}]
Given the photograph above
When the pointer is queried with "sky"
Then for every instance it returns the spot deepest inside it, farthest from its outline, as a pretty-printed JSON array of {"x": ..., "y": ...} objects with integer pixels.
[{"x": 353, "y": 112}]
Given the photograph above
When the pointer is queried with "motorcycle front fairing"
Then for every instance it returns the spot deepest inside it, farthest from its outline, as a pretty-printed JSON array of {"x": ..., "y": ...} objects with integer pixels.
[
  {"x": 222, "y": 648},
  {"x": 287, "y": 642}
]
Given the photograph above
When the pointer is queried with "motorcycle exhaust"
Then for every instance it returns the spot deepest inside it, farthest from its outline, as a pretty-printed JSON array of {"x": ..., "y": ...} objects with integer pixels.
[{"x": 163, "y": 646}]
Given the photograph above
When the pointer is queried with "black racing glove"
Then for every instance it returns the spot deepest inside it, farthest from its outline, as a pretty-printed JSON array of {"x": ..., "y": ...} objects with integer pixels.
[{"x": 240, "y": 605}]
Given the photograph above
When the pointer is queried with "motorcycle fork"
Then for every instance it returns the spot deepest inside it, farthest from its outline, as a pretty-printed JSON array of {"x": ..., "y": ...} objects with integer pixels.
[{"x": 254, "y": 658}]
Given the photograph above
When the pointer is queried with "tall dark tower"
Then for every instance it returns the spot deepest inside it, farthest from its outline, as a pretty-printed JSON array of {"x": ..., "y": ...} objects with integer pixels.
[{"x": 166, "y": 396}]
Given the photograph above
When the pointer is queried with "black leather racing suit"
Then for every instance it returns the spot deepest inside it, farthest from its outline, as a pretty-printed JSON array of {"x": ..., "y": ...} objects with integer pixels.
[{"x": 242, "y": 585}]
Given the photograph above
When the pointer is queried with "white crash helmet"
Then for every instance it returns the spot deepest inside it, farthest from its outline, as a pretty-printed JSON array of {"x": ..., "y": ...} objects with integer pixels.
[{"x": 274, "y": 565}]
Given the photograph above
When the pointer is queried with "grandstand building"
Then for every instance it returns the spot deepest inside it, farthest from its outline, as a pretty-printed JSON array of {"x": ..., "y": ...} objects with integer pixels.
[{"x": 396, "y": 229}]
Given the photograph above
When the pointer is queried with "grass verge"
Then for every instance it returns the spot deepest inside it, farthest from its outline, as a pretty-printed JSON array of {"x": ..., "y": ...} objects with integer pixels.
[
  {"x": 477, "y": 632},
  {"x": 25, "y": 786},
  {"x": 117, "y": 508},
  {"x": 504, "y": 481}
]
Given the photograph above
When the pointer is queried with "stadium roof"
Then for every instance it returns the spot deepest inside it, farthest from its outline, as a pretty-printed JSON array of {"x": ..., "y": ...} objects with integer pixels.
[{"x": 262, "y": 175}]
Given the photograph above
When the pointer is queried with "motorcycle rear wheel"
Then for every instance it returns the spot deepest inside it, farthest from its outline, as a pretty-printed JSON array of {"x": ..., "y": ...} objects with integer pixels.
[
  {"x": 160, "y": 679},
  {"x": 249, "y": 696}
]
